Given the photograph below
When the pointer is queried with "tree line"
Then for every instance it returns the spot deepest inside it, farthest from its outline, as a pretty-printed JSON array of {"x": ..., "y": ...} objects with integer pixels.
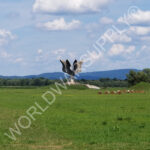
[
  {"x": 106, "y": 82},
  {"x": 136, "y": 77},
  {"x": 103, "y": 82},
  {"x": 26, "y": 82},
  {"x": 132, "y": 79}
]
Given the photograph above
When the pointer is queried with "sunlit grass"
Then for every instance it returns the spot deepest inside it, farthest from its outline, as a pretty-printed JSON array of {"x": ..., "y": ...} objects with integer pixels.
[{"x": 79, "y": 119}]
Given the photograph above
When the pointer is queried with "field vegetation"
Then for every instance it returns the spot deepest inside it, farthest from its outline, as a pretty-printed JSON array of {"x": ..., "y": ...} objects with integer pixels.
[{"x": 79, "y": 119}]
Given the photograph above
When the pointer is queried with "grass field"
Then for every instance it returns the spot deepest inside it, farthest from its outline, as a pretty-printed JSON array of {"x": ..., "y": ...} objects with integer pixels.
[{"x": 78, "y": 120}]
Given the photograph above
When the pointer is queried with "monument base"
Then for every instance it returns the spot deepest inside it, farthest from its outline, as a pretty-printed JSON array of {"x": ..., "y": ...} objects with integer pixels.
[{"x": 71, "y": 82}]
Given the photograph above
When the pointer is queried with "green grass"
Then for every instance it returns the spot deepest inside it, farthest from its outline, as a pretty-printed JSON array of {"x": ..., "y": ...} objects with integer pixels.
[
  {"x": 142, "y": 86},
  {"x": 78, "y": 120},
  {"x": 77, "y": 87}
]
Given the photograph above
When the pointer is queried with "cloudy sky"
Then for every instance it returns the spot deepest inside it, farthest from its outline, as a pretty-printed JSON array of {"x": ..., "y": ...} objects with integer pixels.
[{"x": 106, "y": 34}]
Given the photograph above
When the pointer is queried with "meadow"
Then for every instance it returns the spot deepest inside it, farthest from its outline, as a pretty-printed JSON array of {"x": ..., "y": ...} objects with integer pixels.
[{"x": 79, "y": 119}]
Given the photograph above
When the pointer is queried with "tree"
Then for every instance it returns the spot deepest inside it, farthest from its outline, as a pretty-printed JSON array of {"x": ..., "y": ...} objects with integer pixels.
[
  {"x": 136, "y": 77},
  {"x": 132, "y": 77},
  {"x": 147, "y": 71}
]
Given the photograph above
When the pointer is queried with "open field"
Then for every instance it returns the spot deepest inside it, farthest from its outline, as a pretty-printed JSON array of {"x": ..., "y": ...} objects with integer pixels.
[{"x": 78, "y": 120}]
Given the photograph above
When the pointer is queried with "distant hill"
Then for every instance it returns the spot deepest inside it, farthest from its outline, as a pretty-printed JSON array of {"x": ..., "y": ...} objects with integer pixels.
[{"x": 119, "y": 74}]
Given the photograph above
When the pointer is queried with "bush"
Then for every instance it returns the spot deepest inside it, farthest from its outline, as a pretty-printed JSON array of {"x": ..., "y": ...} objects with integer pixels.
[{"x": 142, "y": 86}]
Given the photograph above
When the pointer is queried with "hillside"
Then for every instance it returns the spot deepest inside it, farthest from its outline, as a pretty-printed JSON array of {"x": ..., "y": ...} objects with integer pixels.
[{"x": 119, "y": 74}]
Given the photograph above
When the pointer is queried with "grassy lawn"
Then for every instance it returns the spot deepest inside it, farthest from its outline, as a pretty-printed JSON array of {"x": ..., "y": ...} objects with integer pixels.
[{"x": 78, "y": 120}]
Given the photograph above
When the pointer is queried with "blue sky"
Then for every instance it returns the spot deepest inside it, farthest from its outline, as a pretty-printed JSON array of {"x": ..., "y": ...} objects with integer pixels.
[{"x": 35, "y": 34}]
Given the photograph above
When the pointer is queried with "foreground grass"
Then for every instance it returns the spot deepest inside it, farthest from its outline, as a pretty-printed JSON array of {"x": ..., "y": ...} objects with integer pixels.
[{"x": 78, "y": 120}]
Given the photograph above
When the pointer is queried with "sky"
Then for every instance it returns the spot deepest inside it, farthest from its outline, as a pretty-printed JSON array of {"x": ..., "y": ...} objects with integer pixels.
[{"x": 104, "y": 34}]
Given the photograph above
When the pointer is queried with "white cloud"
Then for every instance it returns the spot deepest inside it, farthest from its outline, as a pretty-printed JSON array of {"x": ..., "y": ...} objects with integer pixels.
[
  {"x": 139, "y": 17},
  {"x": 60, "y": 24},
  {"x": 6, "y": 33},
  {"x": 10, "y": 58},
  {"x": 18, "y": 60},
  {"x": 130, "y": 49},
  {"x": 69, "y": 6},
  {"x": 143, "y": 47},
  {"x": 59, "y": 51},
  {"x": 139, "y": 30},
  {"x": 44, "y": 56},
  {"x": 4, "y": 54},
  {"x": 116, "y": 37},
  {"x": 40, "y": 51},
  {"x": 118, "y": 49},
  {"x": 146, "y": 38},
  {"x": 106, "y": 20},
  {"x": 5, "y": 36},
  {"x": 63, "y": 53}
]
